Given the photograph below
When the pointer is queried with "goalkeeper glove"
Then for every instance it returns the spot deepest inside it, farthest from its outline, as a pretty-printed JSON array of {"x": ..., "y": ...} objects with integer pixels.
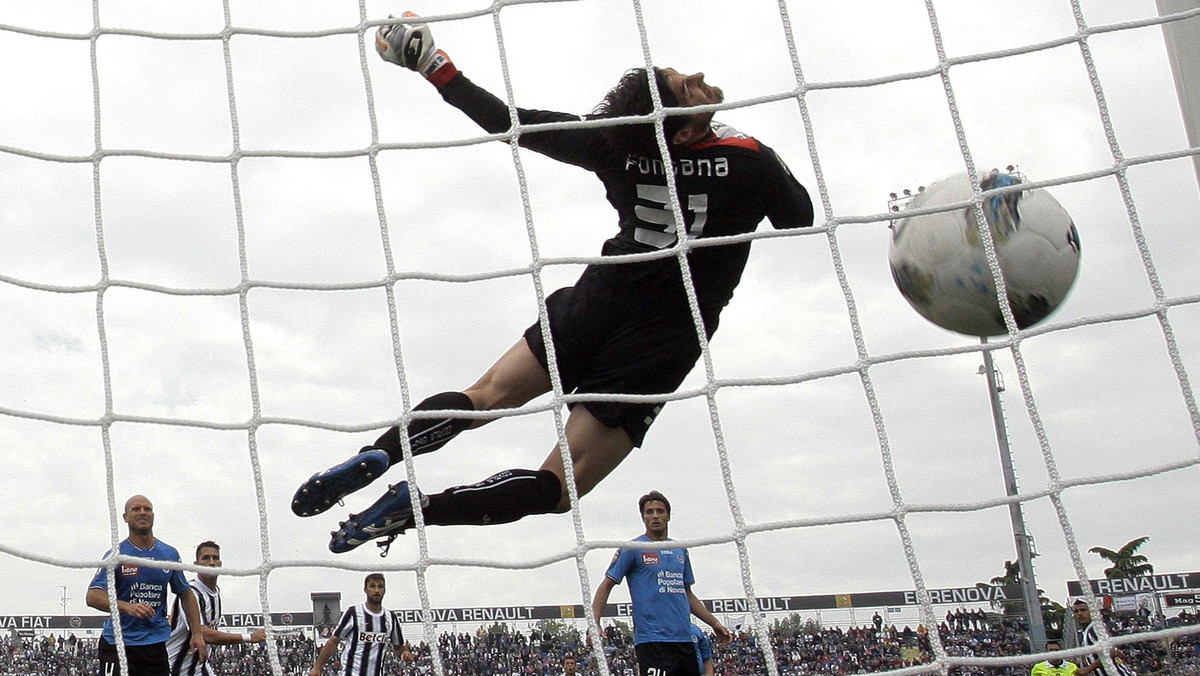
[{"x": 411, "y": 46}]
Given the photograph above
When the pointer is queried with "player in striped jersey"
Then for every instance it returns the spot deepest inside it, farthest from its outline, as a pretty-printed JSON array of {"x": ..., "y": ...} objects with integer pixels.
[
  {"x": 368, "y": 629},
  {"x": 208, "y": 596},
  {"x": 1089, "y": 635}
]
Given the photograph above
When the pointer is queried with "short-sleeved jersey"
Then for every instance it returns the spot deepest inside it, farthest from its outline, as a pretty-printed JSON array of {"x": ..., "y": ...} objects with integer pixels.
[
  {"x": 142, "y": 584},
  {"x": 726, "y": 183},
  {"x": 1089, "y": 636},
  {"x": 704, "y": 651},
  {"x": 366, "y": 638},
  {"x": 658, "y": 584},
  {"x": 1066, "y": 668},
  {"x": 183, "y": 662}
]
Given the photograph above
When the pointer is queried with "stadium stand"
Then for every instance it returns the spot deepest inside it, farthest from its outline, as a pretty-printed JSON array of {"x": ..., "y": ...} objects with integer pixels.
[{"x": 800, "y": 650}]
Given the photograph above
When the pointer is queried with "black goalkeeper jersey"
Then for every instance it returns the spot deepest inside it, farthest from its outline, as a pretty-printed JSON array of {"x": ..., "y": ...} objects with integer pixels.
[{"x": 726, "y": 183}]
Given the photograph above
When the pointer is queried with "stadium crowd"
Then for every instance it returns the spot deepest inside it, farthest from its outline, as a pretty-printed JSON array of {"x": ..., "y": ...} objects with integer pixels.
[{"x": 800, "y": 650}]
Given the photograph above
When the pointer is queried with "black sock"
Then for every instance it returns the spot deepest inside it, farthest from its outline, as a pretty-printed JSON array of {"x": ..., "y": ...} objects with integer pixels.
[
  {"x": 426, "y": 435},
  {"x": 500, "y": 498}
]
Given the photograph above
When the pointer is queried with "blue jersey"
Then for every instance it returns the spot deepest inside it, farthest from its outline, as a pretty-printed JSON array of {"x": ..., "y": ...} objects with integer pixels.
[
  {"x": 143, "y": 584},
  {"x": 703, "y": 646},
  {"x": 658, "y": 583}
]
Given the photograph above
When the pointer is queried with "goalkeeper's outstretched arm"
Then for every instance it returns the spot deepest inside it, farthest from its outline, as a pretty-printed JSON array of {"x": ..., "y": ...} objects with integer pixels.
[{"x": 412, "y": 46}]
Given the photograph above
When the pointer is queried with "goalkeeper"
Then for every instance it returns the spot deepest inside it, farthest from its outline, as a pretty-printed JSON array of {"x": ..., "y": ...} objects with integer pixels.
[{"x": 624, "y": 327}]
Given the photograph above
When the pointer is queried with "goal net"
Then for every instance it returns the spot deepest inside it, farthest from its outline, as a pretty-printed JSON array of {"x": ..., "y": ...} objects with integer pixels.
[{"x": 237, "y": 245}]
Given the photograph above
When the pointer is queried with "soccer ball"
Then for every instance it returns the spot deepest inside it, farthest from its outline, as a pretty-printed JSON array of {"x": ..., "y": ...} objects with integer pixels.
[{"x": 939, "y": 266}]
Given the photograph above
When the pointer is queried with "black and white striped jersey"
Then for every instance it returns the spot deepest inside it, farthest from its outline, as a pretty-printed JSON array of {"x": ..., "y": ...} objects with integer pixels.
[
  {"x": 366, "y": 638},
  {"x": 1089, "y": 637},
  {"x": 183, "y": 662}
]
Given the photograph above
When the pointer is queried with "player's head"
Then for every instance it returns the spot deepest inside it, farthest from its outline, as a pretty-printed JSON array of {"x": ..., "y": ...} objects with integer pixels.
[
  {"x": 1051, "y": 646},
  {"x": 208, "y": 553},
  {"x": 375, "y": 587},
  {"x": 139, "y": 515},
  {"x": 631, "y": 96},
  {"x": 1081, "y": 612},
  {"x": 653, "y": 496},
  {"x": 656, "y": 514},
  {"x": 569, "y": 665}
]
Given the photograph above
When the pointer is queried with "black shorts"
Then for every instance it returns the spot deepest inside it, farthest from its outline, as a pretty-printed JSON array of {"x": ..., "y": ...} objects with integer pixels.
[
  {"x": 611, "y": 343},
  {"x": 667, "y": 659},
  {"x": 144, "y": 660}
]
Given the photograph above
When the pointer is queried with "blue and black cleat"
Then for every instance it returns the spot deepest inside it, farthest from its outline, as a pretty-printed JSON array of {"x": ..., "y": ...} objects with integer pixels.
[
  {"x": 324, "y": 489},
  {"x": 390, "y": 516}
]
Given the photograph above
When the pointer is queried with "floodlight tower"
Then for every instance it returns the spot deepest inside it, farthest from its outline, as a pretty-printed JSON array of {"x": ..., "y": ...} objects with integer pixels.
[{"x": 1024, "y": 541}]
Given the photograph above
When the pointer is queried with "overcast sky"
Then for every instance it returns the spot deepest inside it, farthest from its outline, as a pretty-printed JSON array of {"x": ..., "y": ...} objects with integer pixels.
[{"x": 161, "y": 223}]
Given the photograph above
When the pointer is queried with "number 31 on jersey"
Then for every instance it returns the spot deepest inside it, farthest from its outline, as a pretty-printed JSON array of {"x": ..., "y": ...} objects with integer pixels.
[{"x": 664, "y": 235}]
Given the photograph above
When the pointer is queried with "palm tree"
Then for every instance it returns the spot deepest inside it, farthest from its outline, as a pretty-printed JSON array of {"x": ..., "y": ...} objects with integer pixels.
[
  {"x": 1126, "y": 562},
  {"x": 1012, "y": 574},
  {"x": 1053, "y": 614},
  {"x": 1052, "y": 611}
]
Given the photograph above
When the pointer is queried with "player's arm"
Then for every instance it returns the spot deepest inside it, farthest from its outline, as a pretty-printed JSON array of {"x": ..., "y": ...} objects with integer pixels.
[
  {"x": 1115, "y": 654},
  {"x": 787, "y": 201},
  {"x": 599, "y": 601},
  {"x": 698, "y": 609},
  {"x": 191, "y": 610},
  {"x": 412, "y": 46},
  {"x": 399, "y": 645},
  {"x": 704, "y": 650},
  {"x": 323, "y": 656},
  {"x": 586, "y": 148},
  {"x": 98, "y": 598},
  {"x": 218, "y": 637}
]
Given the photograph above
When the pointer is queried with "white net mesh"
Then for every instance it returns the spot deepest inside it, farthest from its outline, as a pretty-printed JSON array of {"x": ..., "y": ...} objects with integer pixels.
[{"x": 236, "y": 242}]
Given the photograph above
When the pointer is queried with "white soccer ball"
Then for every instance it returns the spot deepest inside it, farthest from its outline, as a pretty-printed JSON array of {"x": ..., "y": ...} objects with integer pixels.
[{"x": 938, "y": 260}]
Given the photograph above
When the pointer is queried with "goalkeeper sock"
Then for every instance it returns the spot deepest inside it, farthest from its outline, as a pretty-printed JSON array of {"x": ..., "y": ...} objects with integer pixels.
[
  {"x": 500, "y": 498},
  {"x": 426, "y": 435}
]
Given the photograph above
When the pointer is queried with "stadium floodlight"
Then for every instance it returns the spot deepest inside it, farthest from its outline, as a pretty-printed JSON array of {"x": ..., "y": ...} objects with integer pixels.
[{"x": 1024, "y": 541}]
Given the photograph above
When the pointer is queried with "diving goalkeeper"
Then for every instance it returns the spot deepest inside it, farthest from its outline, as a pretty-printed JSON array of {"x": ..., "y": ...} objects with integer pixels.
[{"x": 624, "y": 327}]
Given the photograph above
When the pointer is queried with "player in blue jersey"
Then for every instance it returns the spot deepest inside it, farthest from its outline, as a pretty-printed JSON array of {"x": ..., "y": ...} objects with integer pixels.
[
  {"x": 622, "y": 328},
  {"x": 660, "y": 588},
  {"x": 142, "y": 599},
  {"x": 704, "y": 651}
]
